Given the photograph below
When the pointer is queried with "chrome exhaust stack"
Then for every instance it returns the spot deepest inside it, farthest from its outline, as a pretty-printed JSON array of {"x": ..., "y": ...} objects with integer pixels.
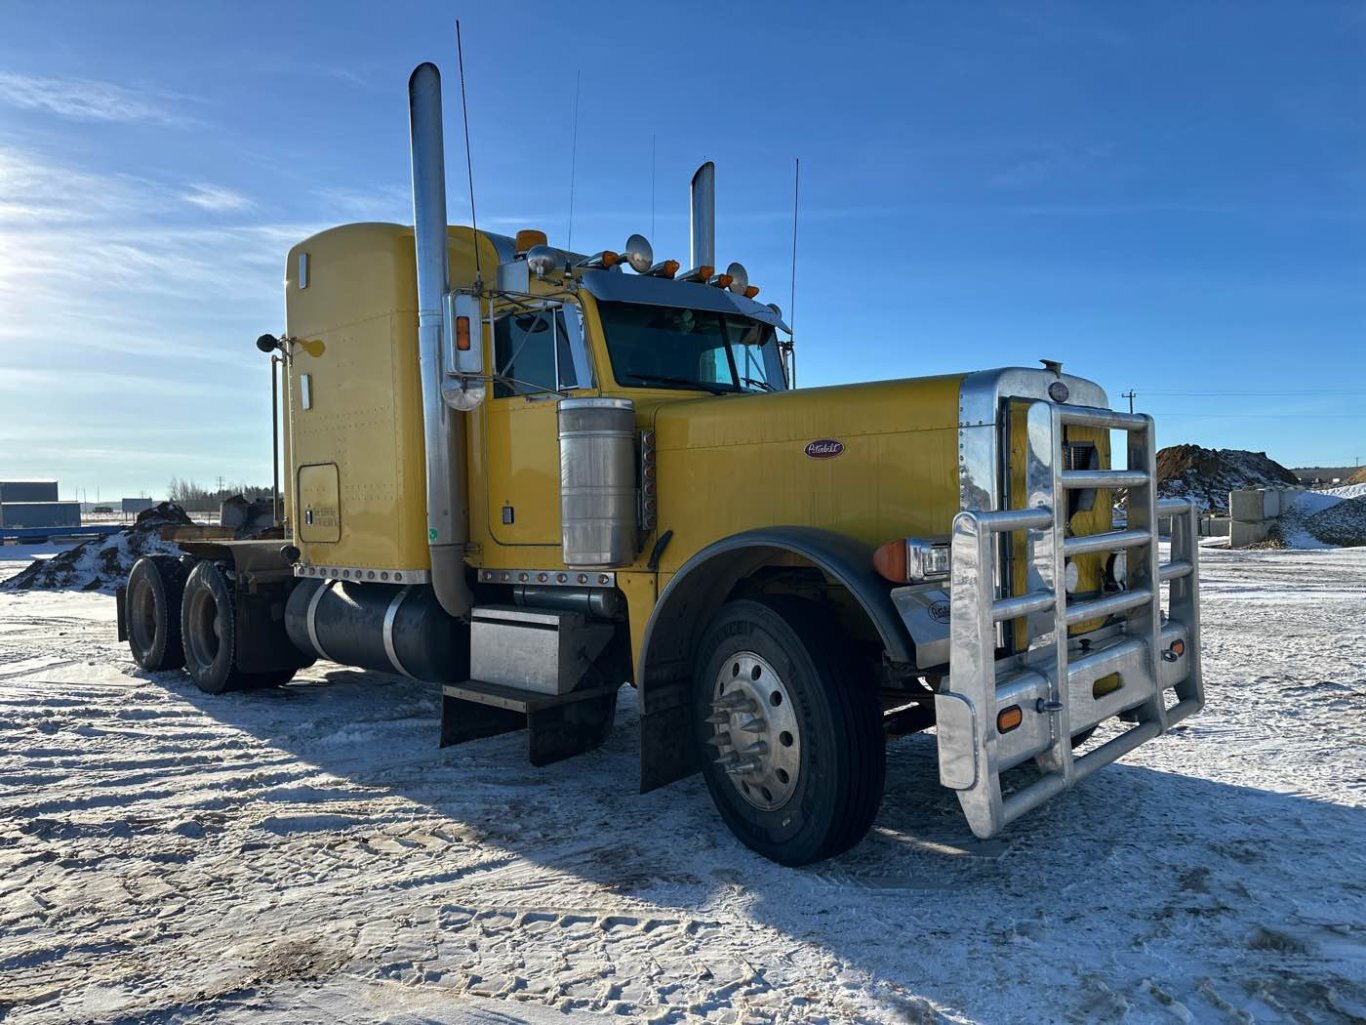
[
  {"x": 702, "y": 252},
  {"x": 443, "y": 428}
]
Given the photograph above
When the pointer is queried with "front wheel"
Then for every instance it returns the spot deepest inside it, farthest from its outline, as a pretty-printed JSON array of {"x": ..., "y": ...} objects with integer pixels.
[{"x": 792, "y": 743}]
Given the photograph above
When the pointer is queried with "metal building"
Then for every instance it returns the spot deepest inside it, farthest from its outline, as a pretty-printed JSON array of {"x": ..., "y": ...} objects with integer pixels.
[{"x": 28, "y": 491}]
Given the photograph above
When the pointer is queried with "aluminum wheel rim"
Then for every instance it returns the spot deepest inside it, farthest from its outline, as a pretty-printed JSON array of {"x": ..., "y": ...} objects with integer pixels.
[{"x": 754, "y": 731}]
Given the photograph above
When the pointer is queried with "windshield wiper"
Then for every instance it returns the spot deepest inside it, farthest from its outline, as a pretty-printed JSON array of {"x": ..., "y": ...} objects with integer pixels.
[
  {"x": 684, "y": 381},
  {"x": 761, "y": 383}
]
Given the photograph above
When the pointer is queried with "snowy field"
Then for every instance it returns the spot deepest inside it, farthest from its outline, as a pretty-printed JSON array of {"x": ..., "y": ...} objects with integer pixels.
[{"x": 308, "y": 855}]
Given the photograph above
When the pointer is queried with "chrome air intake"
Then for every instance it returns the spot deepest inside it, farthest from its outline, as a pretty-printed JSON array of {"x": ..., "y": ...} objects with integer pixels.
[
  {"x": 443, "y": 428},
  {"x": 597, "y": 482}
]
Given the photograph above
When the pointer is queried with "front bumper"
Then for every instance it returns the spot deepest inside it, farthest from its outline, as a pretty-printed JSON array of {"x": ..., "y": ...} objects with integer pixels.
[{"x": 1053, "y": 680}]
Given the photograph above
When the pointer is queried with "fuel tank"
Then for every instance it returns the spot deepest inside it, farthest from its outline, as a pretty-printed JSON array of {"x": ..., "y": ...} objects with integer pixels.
[{"x": 385, "y": 627}]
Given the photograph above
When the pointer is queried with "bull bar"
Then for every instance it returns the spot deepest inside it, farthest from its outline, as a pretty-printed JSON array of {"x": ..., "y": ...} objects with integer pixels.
[{"x": 1053, "y": 679}]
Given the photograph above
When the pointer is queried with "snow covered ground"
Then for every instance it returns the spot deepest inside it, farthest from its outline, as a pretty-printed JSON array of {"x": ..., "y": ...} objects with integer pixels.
[{"x": 308, "y": 855}]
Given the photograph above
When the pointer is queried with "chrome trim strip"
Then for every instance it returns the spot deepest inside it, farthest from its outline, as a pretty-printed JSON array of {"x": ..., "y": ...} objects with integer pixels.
[
  {"x": 364, "y": 574},
  {"x": 390, "y": 614},
  {"x": 549, "y": 577},
  {"x": 311, "y": 619}
]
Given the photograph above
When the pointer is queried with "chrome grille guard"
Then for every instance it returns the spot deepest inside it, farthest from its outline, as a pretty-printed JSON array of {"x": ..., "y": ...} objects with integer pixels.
[{"x": 1053, "y": 681}]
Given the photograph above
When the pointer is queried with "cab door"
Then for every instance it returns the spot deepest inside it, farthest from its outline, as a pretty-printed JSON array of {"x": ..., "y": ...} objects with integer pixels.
[{"x": 538, "y": 358}]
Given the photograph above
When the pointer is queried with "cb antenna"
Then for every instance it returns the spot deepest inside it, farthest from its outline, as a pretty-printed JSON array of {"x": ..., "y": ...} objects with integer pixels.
[
  {"x": 574, "y": 159},
  {"x": 469, "y": 157},
  {"x": 792, "y": 299}
]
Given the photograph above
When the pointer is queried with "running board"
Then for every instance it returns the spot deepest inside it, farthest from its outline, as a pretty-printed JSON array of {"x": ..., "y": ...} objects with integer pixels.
[{"x": 558, "y": 725}]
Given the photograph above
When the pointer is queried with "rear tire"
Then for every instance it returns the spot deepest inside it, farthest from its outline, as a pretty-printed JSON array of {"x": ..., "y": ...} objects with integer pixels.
[
  {"x": 208, "y": 626},
  {"x": 772, "y": 669},
  {"x": 152, "y": 603}
]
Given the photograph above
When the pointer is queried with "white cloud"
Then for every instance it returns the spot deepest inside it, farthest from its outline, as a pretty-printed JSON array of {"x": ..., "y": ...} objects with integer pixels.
[
  {"x": 84, "y": 100},
  {"x": 215, "y": 197}
]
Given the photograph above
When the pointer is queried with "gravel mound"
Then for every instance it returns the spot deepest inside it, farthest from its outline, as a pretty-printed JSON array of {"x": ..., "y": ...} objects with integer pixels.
[
  {"x": 1207, "y": 475},
  {"x": 1343, "y": 524},
  {"x": 102, "y": 564}
]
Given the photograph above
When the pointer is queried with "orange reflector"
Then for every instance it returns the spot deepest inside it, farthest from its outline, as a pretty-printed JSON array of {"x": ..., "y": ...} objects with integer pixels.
[
  {"x": 528, "y": 237},
  {"x": 890, "y": 561},
  {"x": 751, "y": 291},
  {"x": 1008, "y": 718},
  {"x": 1178, "y": 648},
  {"x": 462, "y": 333}
]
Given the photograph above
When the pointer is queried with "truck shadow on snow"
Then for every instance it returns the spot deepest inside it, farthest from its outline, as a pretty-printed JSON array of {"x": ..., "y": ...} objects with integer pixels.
[{"x": 1134, "y": 866}]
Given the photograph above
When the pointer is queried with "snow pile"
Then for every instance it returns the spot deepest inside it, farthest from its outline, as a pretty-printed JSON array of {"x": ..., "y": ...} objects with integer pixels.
[
  {"x": 103, "y": 563},
  {"x": 1207, "y": 475}
]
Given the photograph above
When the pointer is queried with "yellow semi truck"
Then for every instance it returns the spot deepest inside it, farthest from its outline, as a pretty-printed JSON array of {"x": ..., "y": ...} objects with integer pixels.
[{"x": 529, "y": 476}]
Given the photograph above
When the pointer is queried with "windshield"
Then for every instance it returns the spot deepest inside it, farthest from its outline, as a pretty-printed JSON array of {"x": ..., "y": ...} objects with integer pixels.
[{"x": 666, "y": 347}]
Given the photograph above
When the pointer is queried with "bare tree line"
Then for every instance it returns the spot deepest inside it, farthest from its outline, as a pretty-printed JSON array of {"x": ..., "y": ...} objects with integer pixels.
[{"x": 193, "y": 497}]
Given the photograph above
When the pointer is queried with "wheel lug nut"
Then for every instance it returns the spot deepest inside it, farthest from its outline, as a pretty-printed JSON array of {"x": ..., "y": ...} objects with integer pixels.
[{"x": 755, "y": 725}]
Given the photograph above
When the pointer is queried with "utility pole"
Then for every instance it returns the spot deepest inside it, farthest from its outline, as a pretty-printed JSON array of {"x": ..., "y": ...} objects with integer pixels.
[{"x": 1130, "y": 395}]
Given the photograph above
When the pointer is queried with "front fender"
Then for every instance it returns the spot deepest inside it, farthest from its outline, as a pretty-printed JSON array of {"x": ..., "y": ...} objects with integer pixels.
[{"x": 698, "y": 590}]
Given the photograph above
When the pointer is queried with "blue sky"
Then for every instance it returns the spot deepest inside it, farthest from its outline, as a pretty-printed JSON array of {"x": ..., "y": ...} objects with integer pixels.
[{"x": 1171, "y": 198}]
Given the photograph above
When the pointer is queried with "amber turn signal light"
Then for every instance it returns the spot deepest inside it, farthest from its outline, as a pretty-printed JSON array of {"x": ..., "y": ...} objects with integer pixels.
[
  {"x": 1009, "y": 718},
  {"x": 462, "y": 333},
  {"x": 890, "y": 561}
]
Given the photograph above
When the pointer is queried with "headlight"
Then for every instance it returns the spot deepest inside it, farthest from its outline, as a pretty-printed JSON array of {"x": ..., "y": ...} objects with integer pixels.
[{"x": 912, "y": 560}]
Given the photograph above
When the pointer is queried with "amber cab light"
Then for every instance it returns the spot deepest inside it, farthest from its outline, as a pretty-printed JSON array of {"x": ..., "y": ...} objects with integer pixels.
[
  {"x": 751, "y": 291},
  {"x": 462, "y": 333},
  {"x": 528, "y": 237}
]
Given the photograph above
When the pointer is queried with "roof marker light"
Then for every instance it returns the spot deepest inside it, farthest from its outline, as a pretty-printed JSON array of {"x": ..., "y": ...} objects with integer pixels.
[
  {"x": 527, "y": 238},
  {"x": 751, "y": 291}
]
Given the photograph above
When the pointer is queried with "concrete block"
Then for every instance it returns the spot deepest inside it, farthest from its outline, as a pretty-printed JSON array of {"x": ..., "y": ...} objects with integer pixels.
[
  {"x": 1242, "y": 533},
  {"x": 1250, "y": 505}
]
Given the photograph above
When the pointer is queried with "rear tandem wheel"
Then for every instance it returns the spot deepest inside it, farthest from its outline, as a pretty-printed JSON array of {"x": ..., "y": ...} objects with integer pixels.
[{"x": 208, "y": 625}]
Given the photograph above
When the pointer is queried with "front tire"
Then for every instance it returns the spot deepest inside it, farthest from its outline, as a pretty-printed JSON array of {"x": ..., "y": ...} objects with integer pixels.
[
  {"x": 208, "y": 626},
  {"x": 791, "y": 741}
]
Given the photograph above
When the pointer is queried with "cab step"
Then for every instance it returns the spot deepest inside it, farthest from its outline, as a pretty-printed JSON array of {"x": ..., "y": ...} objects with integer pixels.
[{"x": 558, "y": 725}]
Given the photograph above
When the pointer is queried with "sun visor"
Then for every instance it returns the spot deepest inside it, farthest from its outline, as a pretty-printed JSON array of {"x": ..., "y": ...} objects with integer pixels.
[{"x": 613, "y": 286}]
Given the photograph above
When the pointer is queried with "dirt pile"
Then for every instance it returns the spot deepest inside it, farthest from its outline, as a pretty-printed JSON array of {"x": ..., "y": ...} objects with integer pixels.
[
  {"x": 1207, "y": 475},
  {"x": 1359, "y": 477},
  {"x": 1343, "y": 524},
  {"x": 103, "y": 563}
]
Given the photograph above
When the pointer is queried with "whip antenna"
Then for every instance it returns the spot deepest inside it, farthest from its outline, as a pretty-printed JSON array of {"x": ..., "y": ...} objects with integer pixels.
[
  {"x": 652, "y": 186},
  {"x": 792, "y": 299},
  {"x": 574, "y": 160},
  {"x": 469, "y": 157}
]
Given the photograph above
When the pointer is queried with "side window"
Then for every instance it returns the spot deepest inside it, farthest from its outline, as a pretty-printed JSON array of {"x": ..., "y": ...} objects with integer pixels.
[{"x": 526, "y": 349}]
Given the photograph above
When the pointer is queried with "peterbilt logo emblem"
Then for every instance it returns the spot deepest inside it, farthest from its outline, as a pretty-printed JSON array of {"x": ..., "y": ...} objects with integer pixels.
[
  {"x": 825, "y": 448},
  {"x": 939, "y": 611}
]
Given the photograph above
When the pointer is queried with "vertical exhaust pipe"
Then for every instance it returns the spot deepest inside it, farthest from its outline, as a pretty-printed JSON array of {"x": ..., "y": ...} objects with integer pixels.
[
  {"x": 703, "y": 208},
  {"x": 443, "y": 428}
]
